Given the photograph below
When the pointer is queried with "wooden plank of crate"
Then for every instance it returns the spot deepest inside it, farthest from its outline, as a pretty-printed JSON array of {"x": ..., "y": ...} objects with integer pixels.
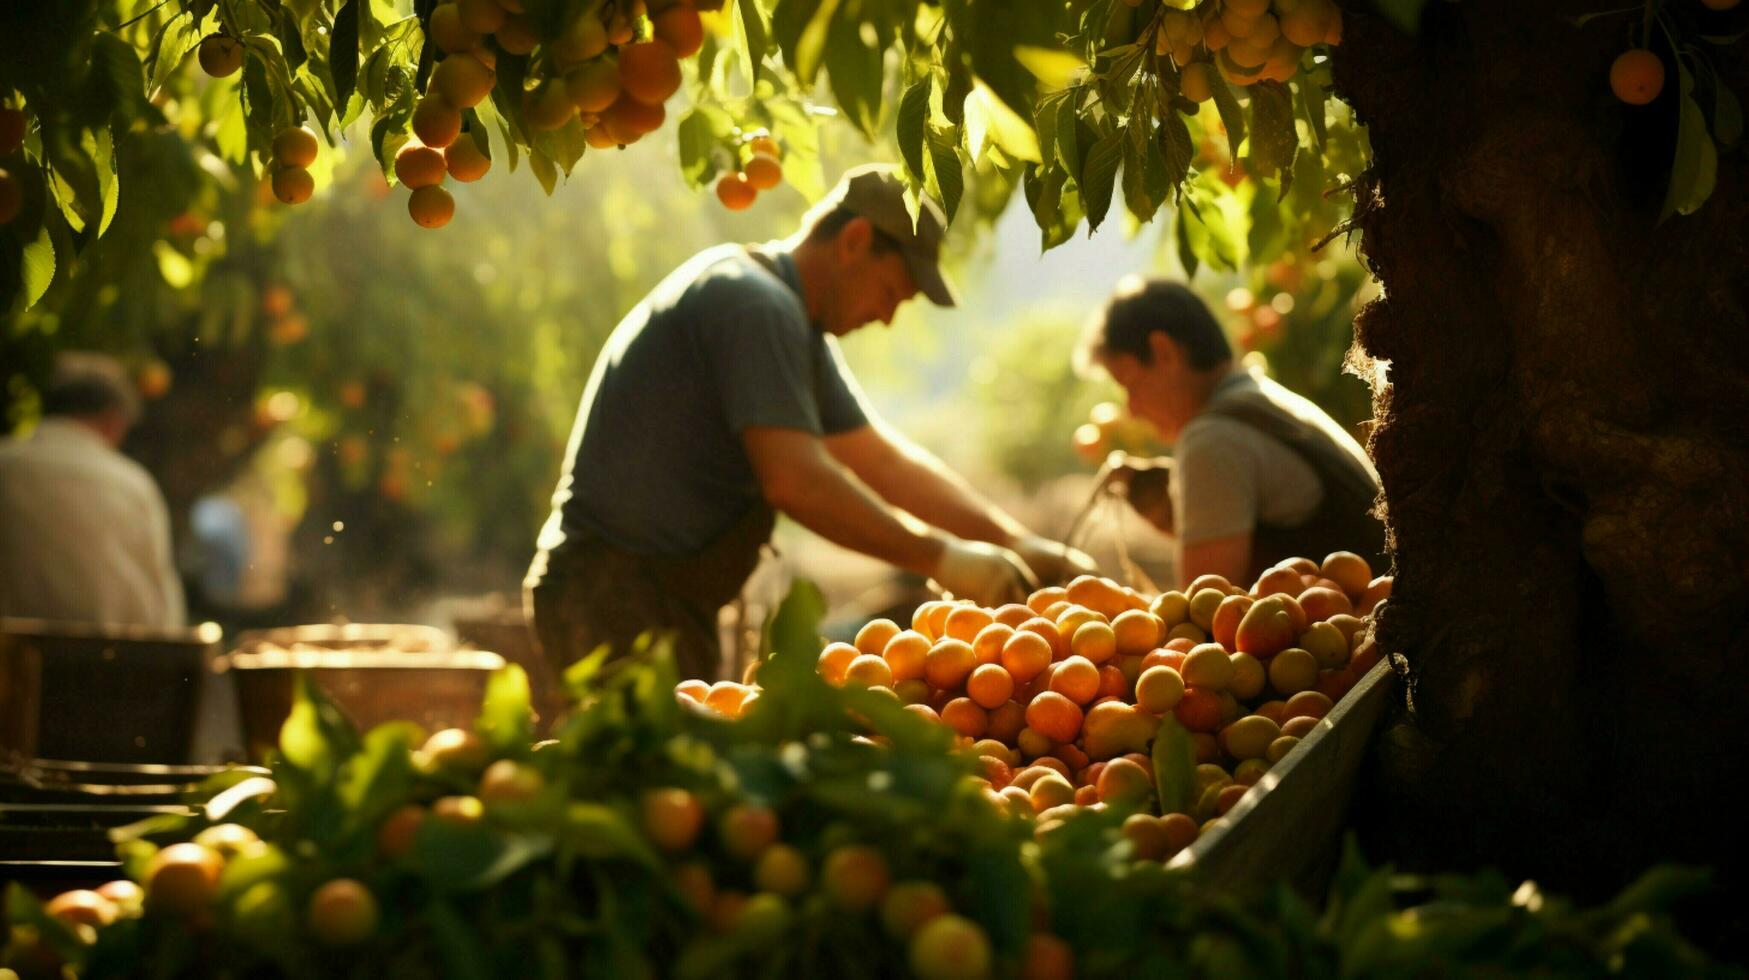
[{"x": 1288, "y": 826}]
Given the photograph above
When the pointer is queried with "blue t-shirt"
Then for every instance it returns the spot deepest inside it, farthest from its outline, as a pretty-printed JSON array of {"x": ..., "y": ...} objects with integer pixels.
[{"x": 655, "y": 463}]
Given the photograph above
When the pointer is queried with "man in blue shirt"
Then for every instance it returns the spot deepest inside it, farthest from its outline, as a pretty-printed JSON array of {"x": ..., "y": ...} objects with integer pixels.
[{"x": 722, "y": 400}]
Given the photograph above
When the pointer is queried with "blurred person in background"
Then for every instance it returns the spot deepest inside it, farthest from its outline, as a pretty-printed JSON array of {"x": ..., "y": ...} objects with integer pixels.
[
  {"x": 1258, "y": 473},
  {"x": 84, "y": 531},
  {"x": 722, "y": 400}
]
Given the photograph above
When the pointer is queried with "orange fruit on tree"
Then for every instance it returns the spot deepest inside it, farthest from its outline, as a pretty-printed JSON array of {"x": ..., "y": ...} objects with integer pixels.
[
  {"x": 547, "y": 108},
  {"x": 509, "y": 781},
  {"x": 481, "y": 16},
  {"x": 418, "y": 165},
  {"x": 517, "y": 36},
  {"x": 183, "y": 878},
  {"x": 584, "y": 38},
  {"x": 671, "y": 817},
  {"x": 763, "y": 143},
  {"x": 436, "y": 122},
  {"x": 395, "y": 835},
  {"x": 747, "y": 829},
  {"x": 13, "y": 127},
  {"x": 462, "y": 80},
  {"x": 649, "y": 71},
  {"x": 593, "y": 86},
  {"x": 431, "y": 207},
  {"x": 782, "y": 870},
  {"x": 446, "y": 30},
  {"x": 1636, "y": 76},
  {"x": 1196, "y": 81},
  {"x": 1048, "y": 957},
  {"x": 465, "y": 161},
  {"x": 628, "y": 119},
  {"x": 950, "y": 947},
  {"x": 294, "y": 147},
  {"x": 342, "y": 912},
  {"x": 908, "y": 905},
  {"x": 855, "y": 877},
  {"x": 293, "y": 185},
  {"x": 680, "y": 28},
  {"x": 763, "y": 172},
  {"x": 220, "y": 56}
]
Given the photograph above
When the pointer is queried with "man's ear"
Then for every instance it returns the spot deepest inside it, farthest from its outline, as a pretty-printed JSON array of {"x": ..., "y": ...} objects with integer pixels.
[
  {"x": 1164, "y": 350},
  {"x": 854, "y": 238}
]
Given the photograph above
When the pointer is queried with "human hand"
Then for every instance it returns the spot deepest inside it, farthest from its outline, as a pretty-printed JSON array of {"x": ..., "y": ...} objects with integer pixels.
[
  {"x": 987, "y": 574},
  {"x": 1052, "y": 561},
  {"x": 1147, "y": 484}
]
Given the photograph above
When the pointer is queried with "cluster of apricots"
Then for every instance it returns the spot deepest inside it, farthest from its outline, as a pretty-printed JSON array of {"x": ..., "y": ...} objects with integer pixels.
[
  {"x": 1062, "y": 696},
  {"x": 1245, "y": 41}
]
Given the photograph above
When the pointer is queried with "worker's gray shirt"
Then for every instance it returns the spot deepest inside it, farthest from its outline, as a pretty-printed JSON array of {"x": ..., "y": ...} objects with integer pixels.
[{"x": 655, "y": 463}]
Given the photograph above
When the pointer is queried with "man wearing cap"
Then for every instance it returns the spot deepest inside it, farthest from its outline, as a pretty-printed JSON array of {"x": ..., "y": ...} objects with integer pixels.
[{"x": 722, "y": 400}]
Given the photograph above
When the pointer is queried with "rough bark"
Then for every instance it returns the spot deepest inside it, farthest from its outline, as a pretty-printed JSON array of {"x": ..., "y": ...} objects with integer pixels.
[{"x": 1562, "y": 445}]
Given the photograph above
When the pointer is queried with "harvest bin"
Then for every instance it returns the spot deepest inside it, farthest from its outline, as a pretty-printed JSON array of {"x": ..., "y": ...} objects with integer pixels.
[
  {"x": 102, "y": 695},
  {"x": 1288, "y": 828}
]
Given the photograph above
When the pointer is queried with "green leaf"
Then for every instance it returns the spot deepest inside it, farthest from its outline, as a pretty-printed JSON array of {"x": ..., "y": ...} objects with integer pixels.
[
  {"x": 1174, "y": 758},
  {"x": 794, "y": 630},
  {"x": 291, "y": 39},
  {"x": 856, "y": 76},
  {"x": 1694, "y": 170},
  {"x": 315, "y": 737},
  {"x": 1176, "y": 149},
  {"x": 544, "y": 170},
  {"x": 1232, "y": 116},
  {"x": 601, "y": 832},
  {"x": 506, "y": 721},
  {"x": 945, "y": 169},
  {"x": 989, "y": 115},
  {"x": 38, "y": 267},
  {"x": 913, "y": 123},
  {"x": 180, "y": 36},
  {"x": 1069, "y": 133},
  {"x": 697, "y": 136},
  {"x": 1098, "y": 177},
  {"x": 1312, "y": 99},
  {"x": 457, "y": 857},
  {"x": 1044, "y": 194},
  {"x": 343, "y": 51},
  {"x": 1659, "y": 889},
  {"x": 1053, "y": 67},
  {"x": 752, "y": 34},
  {"x": 1181, "y": 234},
  {"x": 1273, "y": 137},
  {"x": 812, "y": 44},
  {"x": 1207, "y": 228},
  {"x": 1405, "y": 14}
]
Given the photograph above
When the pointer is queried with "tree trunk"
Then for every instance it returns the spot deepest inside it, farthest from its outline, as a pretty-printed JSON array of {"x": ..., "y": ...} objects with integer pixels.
[{"x": 1562, "y": 442}]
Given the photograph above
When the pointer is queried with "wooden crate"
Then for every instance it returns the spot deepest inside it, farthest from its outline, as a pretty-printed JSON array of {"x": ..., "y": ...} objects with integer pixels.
[{"x": 1289, "y": 826}]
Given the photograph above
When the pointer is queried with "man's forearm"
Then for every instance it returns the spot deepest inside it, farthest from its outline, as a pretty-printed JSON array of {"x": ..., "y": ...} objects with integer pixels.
[
  {"x": 838, "y": 510},
  {"x": 919, "y": 484}
]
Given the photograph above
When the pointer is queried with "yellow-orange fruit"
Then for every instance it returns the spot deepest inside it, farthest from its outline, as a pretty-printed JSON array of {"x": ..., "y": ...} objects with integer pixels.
[
  {"x": 1636, "y": 76},
  {"x": 593, "y": 86},
  {"x": 671, "y": 818},
  {"x": 436, "y": 122},
  {"x": 462, "y": 80},
  {"x": 418, "y": 165},
  {"x": 431, "y": 207},
  {"x": 649, "y": 71},
  {"x": 293, "y": 185},
  {"x": 220, "y": 56},
  {"x": 465, "y": 162},
  {"x": 294, "y": 147},
  {"x": 834, "y": 661},
  {"x": 680, "y": 29}
]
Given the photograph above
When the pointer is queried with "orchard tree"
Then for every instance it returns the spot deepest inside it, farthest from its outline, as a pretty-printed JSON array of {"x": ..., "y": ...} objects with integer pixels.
[{"x": 1551, "y": 195}]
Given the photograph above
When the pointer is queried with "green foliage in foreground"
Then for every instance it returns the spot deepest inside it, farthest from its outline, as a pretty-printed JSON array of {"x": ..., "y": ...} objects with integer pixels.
[{"x": 567, "y": 883}]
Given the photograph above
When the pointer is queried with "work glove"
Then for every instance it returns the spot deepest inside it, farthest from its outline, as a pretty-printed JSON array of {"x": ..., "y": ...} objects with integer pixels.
[
  {"x": 1053, "y": 562},
  {"x": 984, "y": 573}
]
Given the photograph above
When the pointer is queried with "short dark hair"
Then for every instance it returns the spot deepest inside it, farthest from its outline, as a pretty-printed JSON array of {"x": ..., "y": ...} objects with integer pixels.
[
  {"x": 827, "y": 226},
  {"x": 85, "y": 383},
  {"x": 1140, "y": 307}
]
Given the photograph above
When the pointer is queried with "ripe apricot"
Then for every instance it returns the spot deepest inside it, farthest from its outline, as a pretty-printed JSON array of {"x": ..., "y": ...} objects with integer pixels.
[
  {"x": 1049, "y": 790},
  {"x": 1326, "y": 644},
  {"x": 293, "y": 185},
  {"x": 763, "y": 143},
  {"x": 923, "y": 711},
  {"x": 431, "y": 207},
  {"x": 82, "y": 907},
  {"x": 1321, "y": 603},
  {"x": 965, "y": 717},
  {"x": 227, "y": 839},
  {"x": 1228, "y": 614},
  {"x": 855, "y": 877},
  {"x": 1159, "y": 689},
  {"x": 517, "y": 35},
  {"x": 547, "y": 108},
  {"x": 1076, "y": 679},
  {"x": 1249, "y": 737},
  {"x": 1124, "y": 782},
  {"x": 649, "y": 71},
  {"x": 1348, "y": 570},
  {"x": 908, "y": 905},
  {"x": 418, "y": 165},
  {"x": 1094, "y": 641},
  {"x": 1377, "y": 591},
  {"x": 747, "y": 829},
  {"x": 446, "y": 30},
  {"x": 183, "y": 878},
  {"x": 220, "y": 56},
  {"x": 127, "y": 896},
  {"x": 1006, "y": 721},
  {"x": 1054, "y": 716},
  {"x": 1196, "y": 81},
  {"x": 1048, "y": 629},
  {"x": 462, "y": 80},
  {"x": 480, "y": 16},
  {"x": 1307, "y": 704},
  {"x": 593, "y": 86},
  {"x": 1203, "y": 606},
  {"x": 680, "y": 29},
  {"x": 875, "y": 635},
  {"x": 1636, "y": 76},
  {"x": 436, "y": 122},
  {"x": 735, "y": 192},
  {"x": 462, "y": 811},
  {"x": 1250, "y": 677},
  {"x": 1208, "y": 666},
  {"x": 1292, "y": 671},
  {"x": 342, "y": 912},
  {"x": 834, "y": 661},
  {"x": 583, "y": 39},
  {"x": 1047, "y": 957},
  {"x": 948, "y": 664},
  {"x": 1279, "y": 580},
  {"x": 1299, "y": 727},
  {"x": 990, "y": 686},
  {"x": 1013, "y": 614},
  {"x": 1113, "y": 683},
  {"x": 696, "y": 887},
  {"x": 987, "y": 645},
  {"x": 1199, "y": 710},
  {"x": 294, "y": 147},
  {"x": 868, "y": 670},
  {"x": 965, "y": 622},
  {"x": 782, "y": 870},
  {"x": 1099, "y": 594},
  {"x": 671, "y": 817},
  {"x": 1171, "y": 608},
  {"x": 1279, "y": 748},
  {"x": 396, "y": 833},
  {"x": 1046, "y": 597},
  {"x": 465, "y": 161},
  {"x": 454, "y": 748}
]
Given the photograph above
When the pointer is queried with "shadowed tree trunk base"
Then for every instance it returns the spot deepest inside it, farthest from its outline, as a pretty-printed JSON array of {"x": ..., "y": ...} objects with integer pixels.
[{"x": 1564, "y": 450}]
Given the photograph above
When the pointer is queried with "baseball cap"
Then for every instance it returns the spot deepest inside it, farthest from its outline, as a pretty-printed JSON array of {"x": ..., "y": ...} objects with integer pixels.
[{"x": 875, "y": 192}]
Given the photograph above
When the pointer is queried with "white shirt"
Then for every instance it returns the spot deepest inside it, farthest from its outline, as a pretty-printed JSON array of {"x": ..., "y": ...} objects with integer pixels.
[{"x": 84, "y": 533}]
